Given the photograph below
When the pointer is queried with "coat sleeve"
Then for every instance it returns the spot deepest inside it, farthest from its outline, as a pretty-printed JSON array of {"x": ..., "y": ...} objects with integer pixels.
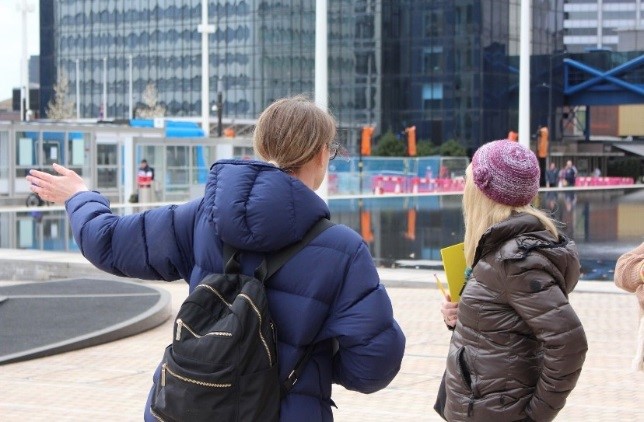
[
  {"x": 153, "y": 245},
  {"x": 542, "y": 304},
  {"x": 371, "y": 344}
]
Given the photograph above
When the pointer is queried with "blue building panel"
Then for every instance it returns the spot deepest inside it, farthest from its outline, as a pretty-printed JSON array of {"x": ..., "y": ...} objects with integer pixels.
[{"x": 610, "y": 80}]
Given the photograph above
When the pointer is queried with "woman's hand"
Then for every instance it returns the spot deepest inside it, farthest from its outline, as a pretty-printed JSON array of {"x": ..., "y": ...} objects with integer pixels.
[
  {"x": 57, "y": 189},
  {"x": 449, "y": 310}
]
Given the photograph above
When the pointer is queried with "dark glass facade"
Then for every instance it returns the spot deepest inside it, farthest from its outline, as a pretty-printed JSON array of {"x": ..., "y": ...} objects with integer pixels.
[
  {"x": 449, "y": 67},
  {"x": 453, "y": 67}
]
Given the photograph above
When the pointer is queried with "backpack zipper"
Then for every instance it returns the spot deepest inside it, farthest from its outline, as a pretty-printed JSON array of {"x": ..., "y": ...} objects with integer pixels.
[
  {"x": 216, "y": 293},
  {"x": 259, "y": 317},
  {"x": 157, "y": 417},
  {"x": 181, "y": 324},
  {"x": 165, "y": 369}
]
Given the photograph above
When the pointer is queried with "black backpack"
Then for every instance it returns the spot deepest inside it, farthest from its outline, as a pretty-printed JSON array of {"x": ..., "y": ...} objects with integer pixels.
[{"x": 222, "y": 363}]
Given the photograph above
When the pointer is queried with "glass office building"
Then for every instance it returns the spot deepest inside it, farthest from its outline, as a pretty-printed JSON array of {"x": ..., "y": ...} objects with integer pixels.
[
  {"x": 160, "y": 42},
  {"x": 450, "y": 68}
]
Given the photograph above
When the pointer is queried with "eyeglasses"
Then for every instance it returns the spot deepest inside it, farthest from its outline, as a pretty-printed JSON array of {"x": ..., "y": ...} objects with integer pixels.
[{"x": 334, "y": 147}]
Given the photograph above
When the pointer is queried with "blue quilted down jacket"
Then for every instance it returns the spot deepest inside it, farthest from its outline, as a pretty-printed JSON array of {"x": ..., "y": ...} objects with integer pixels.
[{"x": 329, "y": 290}]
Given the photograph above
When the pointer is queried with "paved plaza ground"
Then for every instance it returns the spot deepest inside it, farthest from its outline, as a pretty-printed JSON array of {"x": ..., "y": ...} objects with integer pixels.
[{"x": 111, "y": 381}]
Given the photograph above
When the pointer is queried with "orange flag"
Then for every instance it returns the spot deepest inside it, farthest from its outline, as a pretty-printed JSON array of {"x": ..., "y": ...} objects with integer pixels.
[
  {"x": 365, "y": 145},
  {"x": 365, "y": 226}
]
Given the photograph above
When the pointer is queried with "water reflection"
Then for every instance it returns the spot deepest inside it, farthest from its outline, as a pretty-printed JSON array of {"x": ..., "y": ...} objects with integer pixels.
[{"x": 410, "y": 230}]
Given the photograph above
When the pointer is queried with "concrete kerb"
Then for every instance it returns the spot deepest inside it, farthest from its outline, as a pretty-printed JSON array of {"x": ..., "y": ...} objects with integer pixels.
[{"x": 35, "y": 265}]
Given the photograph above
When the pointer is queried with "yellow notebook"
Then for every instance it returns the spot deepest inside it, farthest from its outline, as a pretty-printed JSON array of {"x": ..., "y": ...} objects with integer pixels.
[{"x": 454, "y": 265}]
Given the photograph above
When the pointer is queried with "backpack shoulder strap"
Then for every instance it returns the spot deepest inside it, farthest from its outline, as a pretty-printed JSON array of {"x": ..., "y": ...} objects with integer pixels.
[
  {"x": 230, "y": 258},
  {"x": 274, "y": 264},
  {"x": 275, "y": 261},
  {"x": 266, "y": 269}
]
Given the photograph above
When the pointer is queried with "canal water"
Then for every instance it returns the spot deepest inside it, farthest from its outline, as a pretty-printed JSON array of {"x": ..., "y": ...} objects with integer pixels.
[{"x": 409, "y": 231}]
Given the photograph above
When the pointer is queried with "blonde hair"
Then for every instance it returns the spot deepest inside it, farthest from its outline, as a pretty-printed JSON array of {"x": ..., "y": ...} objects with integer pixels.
[
  {"x": 291, "y": 131},
  {"x": 480, "y": 213}
]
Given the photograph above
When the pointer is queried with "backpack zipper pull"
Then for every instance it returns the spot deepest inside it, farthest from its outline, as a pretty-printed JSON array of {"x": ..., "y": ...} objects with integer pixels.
[
  {"x": 163, "y": 374},
  {"x": 179, "y": 326}
]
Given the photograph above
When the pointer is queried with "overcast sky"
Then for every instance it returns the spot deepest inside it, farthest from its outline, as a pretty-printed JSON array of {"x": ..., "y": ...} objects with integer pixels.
[{"x": 11, "y": 41}]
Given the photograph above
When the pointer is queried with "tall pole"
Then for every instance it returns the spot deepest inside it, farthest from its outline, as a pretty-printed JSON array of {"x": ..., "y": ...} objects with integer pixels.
[
  {"x": 524, "y": 73},
  {"x": 552, "y": 131},
  {"x": 131, "y": 106},
  {"x": 77, "y": 89},
  {"x": 205, "y": 29},
  {"x": 104, "y": 116},
  {"x": 220, "y": 106},
  {"x": 321, "y": 72},
  {"x": 24, "y": 62},
  {"x": 321, "y": 66}
]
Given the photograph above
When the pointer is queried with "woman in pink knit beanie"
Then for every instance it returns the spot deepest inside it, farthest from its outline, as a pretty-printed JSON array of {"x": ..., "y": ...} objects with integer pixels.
[
  {"x": 629, "y": 275},
  {"x": 517, "y": 345}
]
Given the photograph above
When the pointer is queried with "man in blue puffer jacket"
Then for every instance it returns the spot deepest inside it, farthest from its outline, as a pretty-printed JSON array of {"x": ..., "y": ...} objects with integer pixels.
[{"x": 328, "y": 294}]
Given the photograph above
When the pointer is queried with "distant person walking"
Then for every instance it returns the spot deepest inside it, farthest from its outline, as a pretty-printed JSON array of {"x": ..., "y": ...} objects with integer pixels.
[
  {"x": 597, "y": 172},
  {"x": 552, "y": 176},
  {"x": 570, "y": 174},
  {"x": 513, "y": 135},
  {"x": 629, "y": 275}
]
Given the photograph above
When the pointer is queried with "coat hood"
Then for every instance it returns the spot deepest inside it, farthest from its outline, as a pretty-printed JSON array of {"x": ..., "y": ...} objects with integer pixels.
[
  {"x": 256, "y": 206},
  {"x": 522, "y": 234}
]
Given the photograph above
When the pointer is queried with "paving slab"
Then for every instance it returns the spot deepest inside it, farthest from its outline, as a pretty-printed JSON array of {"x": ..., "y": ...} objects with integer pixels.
[{"x": 111, "y": 381}]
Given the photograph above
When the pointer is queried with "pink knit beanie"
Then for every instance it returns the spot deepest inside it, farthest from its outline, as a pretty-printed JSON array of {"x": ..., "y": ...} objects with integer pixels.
[{"x": 506, "y": 172}]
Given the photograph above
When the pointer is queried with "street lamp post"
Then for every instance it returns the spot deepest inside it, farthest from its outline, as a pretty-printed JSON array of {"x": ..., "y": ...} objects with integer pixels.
[
  {"x": 205, "y": 28},
  {"x": 24, "y": 8},
  {"x": 552, "y": 111},
  {"x": 549, "y": 120},
  {"x": 77, "y": 89},
  {"x": 321, "y": 71},
  {"x": 524, "y": 73},
  {"x": 220, "y": 106},
  {"x": 130, "y": 99},
  {"x": 104, "y": 103}
]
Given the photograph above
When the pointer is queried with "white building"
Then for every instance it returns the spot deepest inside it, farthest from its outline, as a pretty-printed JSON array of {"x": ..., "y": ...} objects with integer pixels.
[{"x": 597, "y": 24}]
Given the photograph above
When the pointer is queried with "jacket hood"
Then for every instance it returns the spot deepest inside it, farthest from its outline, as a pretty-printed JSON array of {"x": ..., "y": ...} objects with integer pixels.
[
  {"x": 256, "y": 206},
  {"x": 522, "y": 234}
]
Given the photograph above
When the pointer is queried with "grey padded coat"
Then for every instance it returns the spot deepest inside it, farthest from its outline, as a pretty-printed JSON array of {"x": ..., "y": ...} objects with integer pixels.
[{"x": 518, "y": 347}]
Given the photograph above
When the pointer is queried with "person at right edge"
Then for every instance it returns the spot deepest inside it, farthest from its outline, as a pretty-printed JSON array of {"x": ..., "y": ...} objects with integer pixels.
[
  {"x": 629, "y": 275},
  {"x": 517, "y": 346}
]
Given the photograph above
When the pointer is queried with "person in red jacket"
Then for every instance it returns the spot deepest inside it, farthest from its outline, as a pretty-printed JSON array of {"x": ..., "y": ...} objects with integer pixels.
[{"x": 145, "y": 174}]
